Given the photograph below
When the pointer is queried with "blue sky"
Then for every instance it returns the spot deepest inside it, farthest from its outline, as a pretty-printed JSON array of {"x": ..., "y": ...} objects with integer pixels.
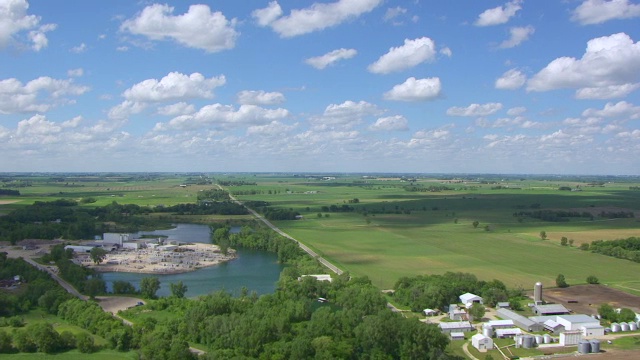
[{"x": 516, "y": 86}]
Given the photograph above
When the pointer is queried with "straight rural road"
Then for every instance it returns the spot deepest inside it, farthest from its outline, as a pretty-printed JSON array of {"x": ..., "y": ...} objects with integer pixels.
[
  {"x": 70, "y": 289},
  {"x": 304, "y": 247}
]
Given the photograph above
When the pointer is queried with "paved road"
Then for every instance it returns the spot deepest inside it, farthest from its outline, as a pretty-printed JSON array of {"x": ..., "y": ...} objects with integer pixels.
[
  {"x": 304, "y": 247},
  {"x": 60, "y": 281}
]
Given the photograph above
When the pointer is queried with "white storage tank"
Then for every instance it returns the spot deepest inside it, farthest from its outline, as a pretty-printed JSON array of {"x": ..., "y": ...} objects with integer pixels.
[
  {"x": 527, "y": 341},
  {"x": 547, "y": 339},
  {"x": 584, "y": 347},
  {"x": 624, "y": 326},
  {"x": 615, "y": 327},
  {"x": 487, "y": 331},
  {"x": 633, "y": 326},
  {"x": 595, "y": 345},
  {"x": 539, "y": 339}
]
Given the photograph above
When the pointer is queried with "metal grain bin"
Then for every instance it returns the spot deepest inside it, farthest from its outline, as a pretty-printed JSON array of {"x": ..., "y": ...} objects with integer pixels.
[
  {"x": 595, "y": 345},
  {"x": 615, "y": 327},
  {"x": 584, "y": 347},
  {"x": 547, "y": 339},
  {"x": 527, "y": 341},
  {"x": 624, "y": 326}
]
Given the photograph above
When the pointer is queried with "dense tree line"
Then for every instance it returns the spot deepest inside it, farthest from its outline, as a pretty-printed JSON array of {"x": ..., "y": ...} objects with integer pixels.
[
  {"x": 236, "y": 183},
  {"x": 553, "y": 215},
  {"x": 336, "y": 208},
  {"x": 214, "y": 194},
  {"x": 430, "y": 188},
  {"x": 9, "y": 192},
  {"x": 280, "y": 214},
  {"x": 90, "y": 316},
  {"x": 36, "y": 288},
  {"x": 438, "y": 291},
  {"x": 622, "y": 248},
  {"x": 206, "y": 208}
]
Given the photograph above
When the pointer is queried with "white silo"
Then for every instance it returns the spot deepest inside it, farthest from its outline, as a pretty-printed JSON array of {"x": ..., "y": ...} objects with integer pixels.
[{"x": 537, "y": 293}]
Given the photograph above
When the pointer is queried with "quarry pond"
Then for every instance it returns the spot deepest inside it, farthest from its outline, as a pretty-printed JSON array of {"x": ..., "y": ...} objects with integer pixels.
[{"x": 256, "y": 270}]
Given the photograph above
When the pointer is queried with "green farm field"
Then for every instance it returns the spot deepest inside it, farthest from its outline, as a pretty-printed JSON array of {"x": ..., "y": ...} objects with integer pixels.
[
  {"x": 432, "y": 232},
  {"x": 394, "y": 232}
]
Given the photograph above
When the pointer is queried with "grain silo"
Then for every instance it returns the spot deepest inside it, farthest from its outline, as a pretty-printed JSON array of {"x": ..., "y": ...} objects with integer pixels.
[
  {"x": 584, "y": 347},
  {"x": 537, "y": 293}
]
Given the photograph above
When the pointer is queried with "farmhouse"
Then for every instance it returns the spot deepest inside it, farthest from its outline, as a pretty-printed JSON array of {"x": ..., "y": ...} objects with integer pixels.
[
  {"x": 481, "y": 342},
  {"x": 519, "y": 320},
  {"x": 469, "y": 299},
  {"x": 458, "y": 326}
]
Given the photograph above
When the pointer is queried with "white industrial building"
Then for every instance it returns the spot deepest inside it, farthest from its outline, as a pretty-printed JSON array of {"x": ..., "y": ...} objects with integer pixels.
[
  {"x": 132, "y": 245},
  {"x": 80, "y": 248},
  {"x": 481, "y": 342},
  {"x": 116, "y": 238},
  {"x": 469, "y": 299},
  {"x": 430, "y": 312},
  {"x": 508, "y": 333}
]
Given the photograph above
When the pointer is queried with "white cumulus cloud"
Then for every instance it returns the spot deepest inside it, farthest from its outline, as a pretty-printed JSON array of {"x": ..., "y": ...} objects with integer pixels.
[
  {"x": 608, "y": 61},
  {"x": 511, "y": 80},
  {"x": 198, "y": 28},
  {"x": 415, "y": 90},
  {"x": 224, "y": 117},
  {"x": 621, "y": 109},
  {"x": 390, "y": 123},
  {"x": 412, "y": 53},
  {"x": 598, "y": 11},
  {"x": 174, "y": 86},
  {"x": 39, "y": 95},
  {"x": 475, "y": 110},
  {"x": 321, "y": 62},
  {"x": 499, "y": 15},
  {"x": 607, "y": 92},
  {"x": 181, "y": 108},
  {"x": 345, "y": 115},
  {"x": 518, "y": 36},
  {"x": 14, "y": 20},
  {"x": 250, "y": 97},
  {"x": 318, "y": 16}
]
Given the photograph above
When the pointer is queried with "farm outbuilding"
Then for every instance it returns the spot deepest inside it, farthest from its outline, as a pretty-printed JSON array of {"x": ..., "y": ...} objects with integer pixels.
[
  {"x": 456, "y": 314},
  {"x": 457, "y": 336},
  {"x": 430, "y": 312},
  {"x": 469, "y": 299},
  {"x": 458, "y": 326},
  {"x": 550, "y": 309},
  {"x": 519, "y": 320},
  {"x": 481, "y": 342}
]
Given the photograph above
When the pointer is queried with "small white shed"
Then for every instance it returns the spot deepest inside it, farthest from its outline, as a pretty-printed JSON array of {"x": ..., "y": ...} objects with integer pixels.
[
  {"x": 481, "y": 342},
  {"x": 469, "y": 299}
]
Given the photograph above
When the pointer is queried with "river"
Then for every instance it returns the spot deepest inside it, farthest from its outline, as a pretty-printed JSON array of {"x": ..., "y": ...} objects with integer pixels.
[{"x": 256, "y": 270}]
